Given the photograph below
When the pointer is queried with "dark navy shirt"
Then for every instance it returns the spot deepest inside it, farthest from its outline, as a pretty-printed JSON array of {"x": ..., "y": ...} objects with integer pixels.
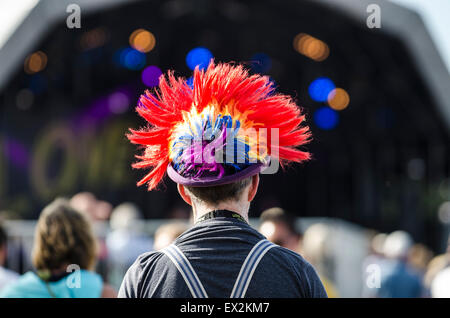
[
  {"x": 217, "y": 248},
  {"x": 402, "y": 282}
]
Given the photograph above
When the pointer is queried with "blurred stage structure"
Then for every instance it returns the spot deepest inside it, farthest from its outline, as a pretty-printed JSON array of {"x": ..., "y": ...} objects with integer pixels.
[{"x": 378, "y": 103}]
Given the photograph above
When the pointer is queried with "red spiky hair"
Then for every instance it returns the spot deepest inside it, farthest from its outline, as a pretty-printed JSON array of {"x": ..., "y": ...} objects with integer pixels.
[{"x": 228, "y": 87}]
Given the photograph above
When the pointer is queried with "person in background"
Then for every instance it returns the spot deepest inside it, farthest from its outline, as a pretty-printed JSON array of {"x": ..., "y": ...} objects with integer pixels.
[
  {"x": 440, "y": 284},
  {"x": 97, "y": 213},
  {"x": 437, "y": 263},
  {"x": 402, "y": 281},
  {"x": 280, "y": 228},
  {"x": 167, "y": 233},
  {"x": 315, "y": 241},
  {"x": 126, "y": 241},
  {"x": 375, "y": 257},
  {"x": 64, "y": 255},
  {"x": 95, "y": 210},
  {"x": 419, "y": 256},
  {"x": 6, "y": 276}
]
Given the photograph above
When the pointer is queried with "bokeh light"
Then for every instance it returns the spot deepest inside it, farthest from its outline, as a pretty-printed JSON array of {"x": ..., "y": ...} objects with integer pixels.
[
  {"x": 326, "y": 118},
  {"x": 93, "y": 39},
  {"x": 150, "y": 75},
  {"x": 444, "y": 212},
  {"x": 311, "y": 47},
  {"x": 16, "y": 152},
  {"x": 24, "y": 99},
  {"x": 338, "y": 99},
  {"x": 200, "y": 56},
  {"x": 320, "y": 88},
  {"x": 35, "y": 62},
  {"x": 142, "y": 40},
  {"x": 118, "y": 102},
  {"x": 130, "y": 58},
  {"x": 261, "y": 63}
]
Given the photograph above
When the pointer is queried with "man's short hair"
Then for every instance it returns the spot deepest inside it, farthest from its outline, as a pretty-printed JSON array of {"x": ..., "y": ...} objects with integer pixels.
[
  {"x": 220, "y": 193},
  {"x": 279, "y": 216}
]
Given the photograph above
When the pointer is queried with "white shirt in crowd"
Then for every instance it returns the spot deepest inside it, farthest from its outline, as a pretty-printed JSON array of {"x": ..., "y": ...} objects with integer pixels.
[{"x": 440, "y": 287}]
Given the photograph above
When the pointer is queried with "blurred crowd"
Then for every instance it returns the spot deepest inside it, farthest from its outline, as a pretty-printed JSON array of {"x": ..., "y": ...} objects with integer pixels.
[
  {"x": 67, "y": 252},
  {"x": 395, "y": 266},
  {"x": 406, "y": 269}
]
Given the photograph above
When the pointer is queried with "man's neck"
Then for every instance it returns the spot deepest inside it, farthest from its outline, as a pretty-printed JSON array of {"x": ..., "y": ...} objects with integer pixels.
[{"x": 202, "y": 209}]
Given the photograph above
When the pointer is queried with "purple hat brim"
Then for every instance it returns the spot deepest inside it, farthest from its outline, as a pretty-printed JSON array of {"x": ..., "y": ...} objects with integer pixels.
[{"x": 215, "y": 181}]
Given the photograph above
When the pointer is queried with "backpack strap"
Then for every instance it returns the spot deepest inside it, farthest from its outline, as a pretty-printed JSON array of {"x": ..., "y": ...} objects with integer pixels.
[
  {"x": 186, "y": 270},
  {"x": 248, "y": 268}
]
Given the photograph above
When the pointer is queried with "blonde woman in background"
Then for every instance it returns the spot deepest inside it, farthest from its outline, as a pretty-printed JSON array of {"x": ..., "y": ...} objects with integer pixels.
[{"x": 64, "y": 256}]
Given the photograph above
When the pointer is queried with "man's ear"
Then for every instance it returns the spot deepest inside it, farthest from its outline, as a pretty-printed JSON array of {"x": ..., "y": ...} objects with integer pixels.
[
  {"x": 182, "y": 191},
  {"x": 253, "y": 187}
]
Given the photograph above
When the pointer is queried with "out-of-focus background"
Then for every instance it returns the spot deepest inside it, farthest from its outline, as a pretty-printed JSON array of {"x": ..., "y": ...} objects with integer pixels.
[{"x": 371, "y": 75}]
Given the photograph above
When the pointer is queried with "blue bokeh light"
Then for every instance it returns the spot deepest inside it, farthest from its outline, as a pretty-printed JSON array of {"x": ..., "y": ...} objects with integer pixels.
[
  {"x": 326, "y": 118},
  {"x": 200, "y": 56},
  {"x": 133, "y": 59},
  {"x": 130, "y": 58},
  {"x": 320, "y": 88}
]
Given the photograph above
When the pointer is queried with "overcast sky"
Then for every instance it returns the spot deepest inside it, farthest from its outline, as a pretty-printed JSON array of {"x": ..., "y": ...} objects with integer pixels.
[{"x": 436, "y": 16}]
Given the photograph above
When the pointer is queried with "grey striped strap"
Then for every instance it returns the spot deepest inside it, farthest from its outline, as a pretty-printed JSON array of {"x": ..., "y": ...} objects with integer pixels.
[
  {"x": 248, "y": 268},
  {"x": 242, "y": 282},
  {"x": 185, "y": 268}
]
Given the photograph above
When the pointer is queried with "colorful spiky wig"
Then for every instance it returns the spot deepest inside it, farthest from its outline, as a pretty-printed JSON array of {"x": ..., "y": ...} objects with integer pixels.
[{"x": 224, "y": 128}]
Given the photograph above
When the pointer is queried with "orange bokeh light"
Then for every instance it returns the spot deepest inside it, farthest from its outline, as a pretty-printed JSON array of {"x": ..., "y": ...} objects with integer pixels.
[
  {"x": 311, "y": 47},
  {"x": 142, "y": 40},
  {"x": 338, "y": 99},
  {"x": 35, "y": 62}
]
